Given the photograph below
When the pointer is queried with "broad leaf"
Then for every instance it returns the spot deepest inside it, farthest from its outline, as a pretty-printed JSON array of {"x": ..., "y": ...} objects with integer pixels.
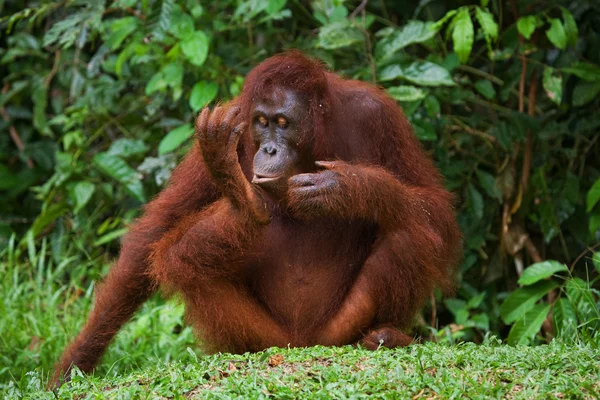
[
  {"x": 128, "y": 147},
  {"x": 463, "y": 34},
  {"x": 596, "y": 260},
  {"x": 182, "y": 25},
  {"x": 486, "y": 88},
  {"x": 593, "y": 195},
  {"x": 527, "y": 25},
  {"x": 48, "y": 216},
  {"x": 110, "y": 236},
  {"x": 424, "y": 130},
  {"x": 275, "y": 6},
  {"x": 119, "y": 170},
  {"x": 488, "y": 183},
  {"x": 412, "y": 32},
  {"x": 522, "y": 300},
  {"x": 552, "y": 85},
  {"x": 586, "y": 71},
  {"x": 489, "y": 27},
  {"x": 203, "y": 93},
  {"x": 570, "y": 26},
  {"x": 120, "y": 29},
  {"x": 419, "y": 72},
  {"x": 556, "y": 33},
  {"x": 564, "y": 318},
  {"x": 156, "y": 84},
  {"x": 594, "y": 224},
  {"x": 40, "y": 102},
  {"x": 482, "y": 321},
  {"x": 81, "y": 193},
  {"x": 585, "y": 92},
  {"x": 523, "y": 331},
  {"x": 406, "y": 93},
  {"x": 338, "y": 35},
  {"x": 172, "y": 73},
  {"x": 581, "y": 296},
  {"x": 541, "y": 270},
  {"x": 475, "y": 201},
  {"x": 175, "y": 138},
  {"x": 438, "y": 24},
  {"x": 195, "y": 48}
]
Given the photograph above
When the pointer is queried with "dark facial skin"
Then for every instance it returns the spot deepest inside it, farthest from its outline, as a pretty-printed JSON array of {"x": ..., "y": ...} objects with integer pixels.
[{"x": 277, "y": 130}]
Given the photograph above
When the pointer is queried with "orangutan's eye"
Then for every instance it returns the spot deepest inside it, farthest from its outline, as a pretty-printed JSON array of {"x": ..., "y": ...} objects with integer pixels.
[
  {"x": 282, "y": 122},
  {"x": 263, "y": 121}
]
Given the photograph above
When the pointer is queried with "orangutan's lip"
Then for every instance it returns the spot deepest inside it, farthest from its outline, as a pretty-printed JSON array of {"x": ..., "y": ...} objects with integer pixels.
[{"x": 261, "y": 179}]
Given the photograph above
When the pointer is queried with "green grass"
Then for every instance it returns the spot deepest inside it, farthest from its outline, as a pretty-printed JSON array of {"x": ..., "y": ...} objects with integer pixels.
[
  {"x": 429, "y": 370},
  {"x": 43, "y": 304}
]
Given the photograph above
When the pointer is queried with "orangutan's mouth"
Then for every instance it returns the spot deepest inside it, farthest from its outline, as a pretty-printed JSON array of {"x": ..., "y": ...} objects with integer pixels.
[{"x": 264, "y": 179}]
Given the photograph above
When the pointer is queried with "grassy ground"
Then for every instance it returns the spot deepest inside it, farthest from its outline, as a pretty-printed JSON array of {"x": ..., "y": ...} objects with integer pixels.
[
  {"x": 42, "y": 306},
  {"x": 421, "y": 371}
]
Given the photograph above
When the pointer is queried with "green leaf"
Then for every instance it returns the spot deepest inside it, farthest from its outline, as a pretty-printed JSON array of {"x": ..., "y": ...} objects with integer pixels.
[
  {"x": 581, "y": 296},
  {"x": 40, "y": 102},
  {"x": 489, "y": 27},
  {"x": 475, "y": 201},
  {"x": 488, "y": 183},
  {"x": 594, "y": 223},
  {"x": 482, "y": 321},
  {"x": 476, "y": 301},
  {"x": 596, "y": 260},
  {"x": 197, "y": 11},
  {"x": 486, "y": 88},
  {"x": 173, "y": 74},
  {"x": 195, "y": 48},
  {"x": 585, "y": 92},
  {"x": 120, "y": 171},
  {"x": 541, "y": 270},
  {"x": 175, "y": 138},
  {"x": 110, "y": 236},
  {"x": 274, "y": 6},
  {"x": 552, "y": 85},
  {"x": 463, "y": 35},
  {"x": 128, "y": 147},
  {"x": 406, "y": 93},
  {"x": 585, "y": 71},
  {"x": 120, "y": 29},
  {"x": 525, "y": 329},
  {"x": 593, "y": 195},
  {"x": 455, "y": 305},
  {"x": 164, "y": 18},
  {"x": 8, "y": 179},
  {"x": 202, "y": 93},
  {"x": 523, "y": 299},
  {"x": 564, "y": 318},
  {"x": 156, "y": 84},
  {"x": 47, "y": 216},
  {"x": 438, "y": 24},
  {"x": 182, "y": 25},
  {"x": 338, "y": 35},
  {"x": 433, "y": 107},
  {"x": 81, "y": 193},
  {"x": 419, "y": 72},
  {"x": 412, "y": 32},
  {"x": 527, "y": 25},
  {"x": 556, "y": 33},
  {"x": 424, "y": 130},
  {"x": 570, "y": 26}
]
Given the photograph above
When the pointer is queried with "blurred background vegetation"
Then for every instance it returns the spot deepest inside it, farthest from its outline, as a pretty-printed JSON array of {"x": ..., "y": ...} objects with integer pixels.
[{"x": 97, "y": 100}]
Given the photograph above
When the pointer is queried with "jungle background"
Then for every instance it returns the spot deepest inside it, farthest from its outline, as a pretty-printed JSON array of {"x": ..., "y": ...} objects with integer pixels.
[{"x": 98, "y": 98}]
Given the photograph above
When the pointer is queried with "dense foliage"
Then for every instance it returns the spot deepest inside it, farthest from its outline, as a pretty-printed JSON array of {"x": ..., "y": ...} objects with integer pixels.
[{"x": 98, "y": 97}]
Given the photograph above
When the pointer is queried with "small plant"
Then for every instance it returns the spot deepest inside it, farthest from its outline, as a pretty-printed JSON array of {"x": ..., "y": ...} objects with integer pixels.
[{"x": 571, "y": 305}]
